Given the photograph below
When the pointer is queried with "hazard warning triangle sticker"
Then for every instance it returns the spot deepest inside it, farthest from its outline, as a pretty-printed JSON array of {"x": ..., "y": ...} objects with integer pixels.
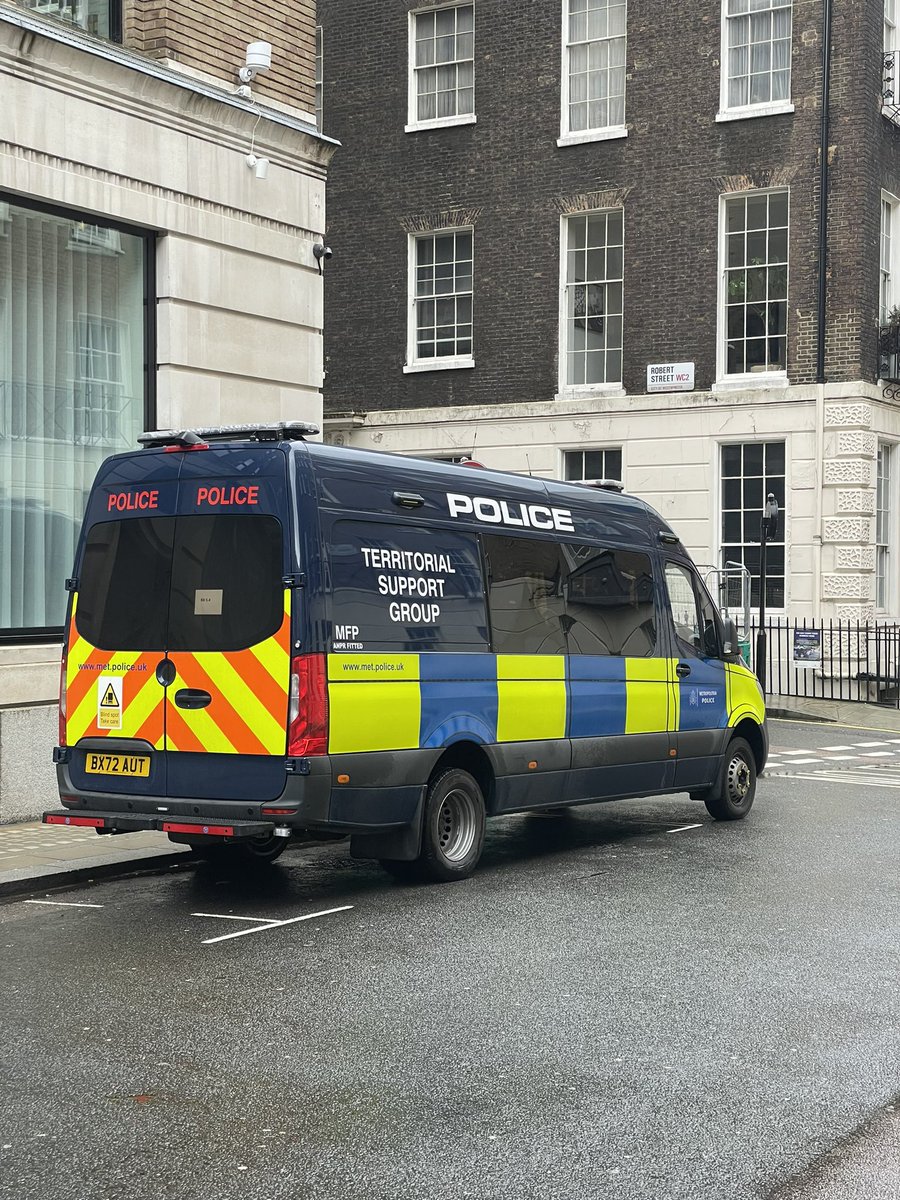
[{"x": 110, "y": 699}]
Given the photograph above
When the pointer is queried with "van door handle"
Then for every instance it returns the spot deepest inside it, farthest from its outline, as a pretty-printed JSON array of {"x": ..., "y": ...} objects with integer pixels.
[
  {"x": 681, "y": 670},
  {"x": 192, "y": 698}
]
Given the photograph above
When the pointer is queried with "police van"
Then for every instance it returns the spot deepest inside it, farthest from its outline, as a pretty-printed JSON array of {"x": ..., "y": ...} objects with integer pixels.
[{"x": 269, "y": 638}]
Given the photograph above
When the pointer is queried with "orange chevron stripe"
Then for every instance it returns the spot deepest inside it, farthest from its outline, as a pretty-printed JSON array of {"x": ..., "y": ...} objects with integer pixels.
[
  {"x": 221, "y": 710},
  {"x": 271, "y": 694},
  {"x": 179, "y": 735},
  {"x": 152, "y": 728}
]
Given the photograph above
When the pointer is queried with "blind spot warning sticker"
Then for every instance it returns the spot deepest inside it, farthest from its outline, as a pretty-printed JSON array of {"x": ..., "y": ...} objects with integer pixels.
[{"x": 109, "y": 702}]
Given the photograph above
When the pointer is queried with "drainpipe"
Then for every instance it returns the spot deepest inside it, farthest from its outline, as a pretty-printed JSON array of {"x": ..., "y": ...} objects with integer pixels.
[
  {"x": 823, "y": 193},
  {"x": 820, "y": 323}
]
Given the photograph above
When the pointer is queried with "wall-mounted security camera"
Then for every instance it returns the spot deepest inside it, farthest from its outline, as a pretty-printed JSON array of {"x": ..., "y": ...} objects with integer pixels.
[
  {"x": 321, "y": 252},
  {"x": 258, "y": 58}
]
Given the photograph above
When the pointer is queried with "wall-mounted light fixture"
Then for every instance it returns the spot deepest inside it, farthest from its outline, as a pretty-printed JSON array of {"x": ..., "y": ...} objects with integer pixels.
[
  {"x": 259, "y": 166},
  {"x": 258, "y": 58}
]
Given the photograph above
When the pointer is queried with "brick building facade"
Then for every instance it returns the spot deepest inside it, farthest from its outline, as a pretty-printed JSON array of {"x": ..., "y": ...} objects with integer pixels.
[{"x": 599, "y": 192}]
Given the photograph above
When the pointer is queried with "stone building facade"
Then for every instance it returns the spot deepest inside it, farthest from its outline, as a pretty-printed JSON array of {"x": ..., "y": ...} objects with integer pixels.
[
  {"x": 603, "y": 193},
  {"x": 156, "y": 270}
]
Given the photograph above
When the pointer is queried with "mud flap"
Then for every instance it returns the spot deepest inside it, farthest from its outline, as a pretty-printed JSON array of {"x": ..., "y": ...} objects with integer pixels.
[{"x": 403, "y": 844}]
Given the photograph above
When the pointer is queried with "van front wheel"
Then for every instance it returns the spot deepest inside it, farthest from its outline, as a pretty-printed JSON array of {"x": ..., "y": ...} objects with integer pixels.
[
  {"x": 452, "y": 827},
  {"x": 732, "y": 799}
]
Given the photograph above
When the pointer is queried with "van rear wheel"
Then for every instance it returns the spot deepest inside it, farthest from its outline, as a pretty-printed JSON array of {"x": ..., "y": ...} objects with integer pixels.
[
  {"x": 452, "y": 827},
  {"x": 733, "y": 796}
]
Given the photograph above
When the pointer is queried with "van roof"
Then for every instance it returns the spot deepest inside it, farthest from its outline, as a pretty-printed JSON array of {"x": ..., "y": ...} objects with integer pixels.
[{"x": 427, "y": 471}]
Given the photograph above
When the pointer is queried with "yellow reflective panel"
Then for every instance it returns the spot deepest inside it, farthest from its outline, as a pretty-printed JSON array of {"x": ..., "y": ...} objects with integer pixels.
[
  {"x": 373, "y": 716},
  {"x": 648, "y": 695},
  {"x": 530, "y": 709}
]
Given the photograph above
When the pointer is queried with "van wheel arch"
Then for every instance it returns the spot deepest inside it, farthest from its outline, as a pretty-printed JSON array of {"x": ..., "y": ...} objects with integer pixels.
[{"x": 468, "y": 756}]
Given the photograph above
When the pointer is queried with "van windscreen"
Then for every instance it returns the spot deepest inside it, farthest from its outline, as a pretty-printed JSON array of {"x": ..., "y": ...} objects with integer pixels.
[{"x": 181, "y": 583}]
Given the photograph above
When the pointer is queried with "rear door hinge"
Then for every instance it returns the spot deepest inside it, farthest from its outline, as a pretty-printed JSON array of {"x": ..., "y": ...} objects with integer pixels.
[{"x": 296, "y": 579}]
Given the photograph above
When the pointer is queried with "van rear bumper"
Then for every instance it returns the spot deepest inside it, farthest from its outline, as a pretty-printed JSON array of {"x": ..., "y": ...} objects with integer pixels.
[{"x": 385, "y": 794}]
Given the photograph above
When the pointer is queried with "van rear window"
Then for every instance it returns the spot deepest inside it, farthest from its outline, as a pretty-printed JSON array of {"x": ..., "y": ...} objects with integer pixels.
[{"x": 181, "y": 583}]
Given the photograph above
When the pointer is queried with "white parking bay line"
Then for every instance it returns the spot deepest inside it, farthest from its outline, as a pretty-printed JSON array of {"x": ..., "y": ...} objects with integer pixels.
[
  {"x": 681, "y": 828},
  {"x": 861, "y": 744},
  {"x": 877, "y": 754},
  {"x": 275, "y": 924},
  {"x": 63, "y": 904},
  {"x": 834, "y": 747},
  {"x": 232, "y": 917}
]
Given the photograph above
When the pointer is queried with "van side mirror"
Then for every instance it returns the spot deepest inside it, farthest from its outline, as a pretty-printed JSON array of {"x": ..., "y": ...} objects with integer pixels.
[{"x": 730, "y": 647}]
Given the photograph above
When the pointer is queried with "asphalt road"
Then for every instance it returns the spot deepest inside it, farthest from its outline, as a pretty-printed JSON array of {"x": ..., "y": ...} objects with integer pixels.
[{"x": 626, "y": 1001}]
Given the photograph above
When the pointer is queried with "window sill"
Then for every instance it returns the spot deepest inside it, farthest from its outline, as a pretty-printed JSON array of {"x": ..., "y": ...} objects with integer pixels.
[
  {"x": 755, "y": 110},
  {"x": 438, "y": 364},
  {"x": 592, "y": 135},
  {"x": 575, "y": 391},
  {"x": 440, "y": 123},
  {"x": 753, "y": 379}
]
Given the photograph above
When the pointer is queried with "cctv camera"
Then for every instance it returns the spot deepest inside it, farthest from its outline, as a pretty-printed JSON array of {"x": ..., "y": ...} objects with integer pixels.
[{"x": 322, "y": 251}]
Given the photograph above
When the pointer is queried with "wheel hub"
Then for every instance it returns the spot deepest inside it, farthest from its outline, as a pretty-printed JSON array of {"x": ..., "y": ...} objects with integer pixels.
[{"x": 456, "y": 825}]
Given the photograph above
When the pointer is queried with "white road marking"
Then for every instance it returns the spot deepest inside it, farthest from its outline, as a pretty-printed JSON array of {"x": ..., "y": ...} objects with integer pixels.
[
  {"x": 860, "y": 744},
  {"x": 232, "y": 917},
  {"x": 835, "y": 747},
  {"x": 792, "y": 751},
  {"x": 63, "y": 904},
  {"x": 878, "y": 779},
  {"x": 276, "y": 924},
  {"x": 681, "y": 828},
  {"x": 877, "y": 754},
  {"x": 796, "y": 762},
  {"x": 843, "y": 758}
]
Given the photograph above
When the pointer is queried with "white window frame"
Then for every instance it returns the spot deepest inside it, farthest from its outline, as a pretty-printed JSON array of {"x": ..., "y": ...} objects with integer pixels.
[
  {"x": 748, "y": 379},
  {"x": 568, "y": 137},
  {"x": 582, "y": 450},
  {"x": 320, "y": 76},
  {"x": 743, "y": 112},
  {"x": 888, "y": 256},
  {"x": 447, "y": 362},
  {"x": 614, "y": 388},
  {"x": 886, "y": 499},
  {"x": 891, "y": 75},
  {"x": 414, "y": 125},
  {"x": 784, "y": 528}
]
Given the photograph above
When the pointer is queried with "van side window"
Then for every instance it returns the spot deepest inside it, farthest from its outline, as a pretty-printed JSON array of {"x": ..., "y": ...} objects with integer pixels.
[
  {"x": 526, "y": 595},
  {"x": 693, "y": 613},
  {"x": 402, "y": 587},
  {"x": 609, "y": 602}
]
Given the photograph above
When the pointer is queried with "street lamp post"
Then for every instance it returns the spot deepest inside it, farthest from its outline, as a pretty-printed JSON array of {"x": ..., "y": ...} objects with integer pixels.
[{"x": 768, "y": 528}]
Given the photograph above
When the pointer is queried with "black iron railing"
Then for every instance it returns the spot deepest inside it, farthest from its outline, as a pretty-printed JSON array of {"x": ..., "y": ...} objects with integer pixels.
[{"x": 833, "y": 660}]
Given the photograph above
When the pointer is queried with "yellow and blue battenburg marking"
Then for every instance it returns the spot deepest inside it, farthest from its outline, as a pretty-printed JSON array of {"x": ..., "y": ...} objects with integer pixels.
[{"x": 411, "y": 701}]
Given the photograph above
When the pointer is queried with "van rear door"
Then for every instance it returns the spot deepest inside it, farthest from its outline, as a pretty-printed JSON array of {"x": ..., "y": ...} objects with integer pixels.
[{"x": 228, "y": 661}]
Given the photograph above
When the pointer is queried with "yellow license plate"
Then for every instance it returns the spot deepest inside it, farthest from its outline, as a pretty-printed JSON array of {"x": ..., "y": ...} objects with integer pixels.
[{"x": 137, "y": 765}]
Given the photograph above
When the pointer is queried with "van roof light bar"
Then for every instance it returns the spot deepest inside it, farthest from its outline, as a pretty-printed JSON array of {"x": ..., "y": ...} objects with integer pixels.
[{"x": 283, "y": 431}]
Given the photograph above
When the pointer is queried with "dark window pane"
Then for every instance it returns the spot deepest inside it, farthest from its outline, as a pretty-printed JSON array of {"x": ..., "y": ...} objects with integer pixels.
[
  {"x": 731, "y": 527},
  {"x": 593, "y": 464},
  {"x": 123, "y": 594},
  {"x": 405, "y": 588},
  {"x": 609, "y": 607},
  {"x": 237, "y": 561},
  {"x": 526, "y": 596},
  {"x": 774, "y": 458},
  {"x": 753, "y": 494},
  {"x": 731, "y": 493},
  {"x": 574, "y": 464},
  {"x": 753, "y": 458},
  {"x": 613, "y": 464},
  {"x": 731, "y": 460}
]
